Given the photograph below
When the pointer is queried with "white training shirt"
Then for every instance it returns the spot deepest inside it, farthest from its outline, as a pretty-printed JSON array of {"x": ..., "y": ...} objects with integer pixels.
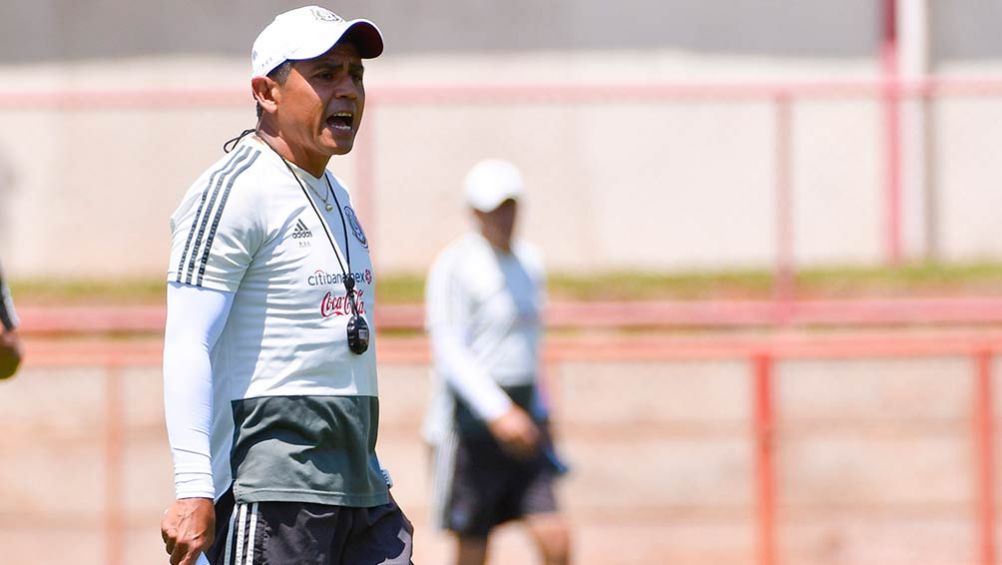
[
  {"x": 245, "y": 227},
  {"x": 484, "y": 318}
]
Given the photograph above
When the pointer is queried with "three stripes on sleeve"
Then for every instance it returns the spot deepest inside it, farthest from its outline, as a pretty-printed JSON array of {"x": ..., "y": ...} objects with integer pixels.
[{"x": 213, "y": 201}]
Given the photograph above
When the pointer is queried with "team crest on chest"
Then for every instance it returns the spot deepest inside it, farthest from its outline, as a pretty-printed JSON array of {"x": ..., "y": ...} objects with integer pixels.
[{"x": 356, "y": 228}]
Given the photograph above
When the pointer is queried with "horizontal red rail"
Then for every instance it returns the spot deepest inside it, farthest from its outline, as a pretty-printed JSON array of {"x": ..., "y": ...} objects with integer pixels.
[
  {"x": 763, "y": 349},
  {"x": 52, "y": 320},
  {"x": 173, "y": 98},
  {"x": 425, "y": 94},
  {"x": 47, "y": 352}
]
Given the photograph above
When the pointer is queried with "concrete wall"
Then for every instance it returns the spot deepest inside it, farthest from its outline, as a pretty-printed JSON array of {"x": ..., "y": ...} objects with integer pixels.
[
  {"x": 69, "y": 30},
  {"x": 60, "y": 30}
]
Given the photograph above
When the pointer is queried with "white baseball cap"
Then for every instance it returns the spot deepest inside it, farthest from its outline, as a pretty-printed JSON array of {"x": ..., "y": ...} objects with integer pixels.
[
  {"x": 490, "y": 182},
  {"x": 308, "y": 32}
]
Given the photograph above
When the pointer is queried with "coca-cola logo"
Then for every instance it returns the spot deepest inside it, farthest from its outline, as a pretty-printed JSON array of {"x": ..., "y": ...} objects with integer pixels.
[{"x": 339, "y": 305}]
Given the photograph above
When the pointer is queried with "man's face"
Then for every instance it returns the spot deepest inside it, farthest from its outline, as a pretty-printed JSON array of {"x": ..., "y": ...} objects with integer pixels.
[
  {"x": 498, "y": 225},
  {"x": 321, "y": 103}
]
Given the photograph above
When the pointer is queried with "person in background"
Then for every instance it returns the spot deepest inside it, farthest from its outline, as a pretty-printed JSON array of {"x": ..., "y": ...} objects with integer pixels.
[
  {"x": 10, "y": 343},
  {"x": 488, "y": 424}
]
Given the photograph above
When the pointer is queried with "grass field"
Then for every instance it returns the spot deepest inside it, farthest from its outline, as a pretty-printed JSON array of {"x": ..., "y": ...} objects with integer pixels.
[{"x": 925, "y": 279}]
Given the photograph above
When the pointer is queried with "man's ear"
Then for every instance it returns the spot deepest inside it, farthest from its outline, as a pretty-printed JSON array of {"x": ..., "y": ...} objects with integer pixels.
[{"x": 266, "y": 93}]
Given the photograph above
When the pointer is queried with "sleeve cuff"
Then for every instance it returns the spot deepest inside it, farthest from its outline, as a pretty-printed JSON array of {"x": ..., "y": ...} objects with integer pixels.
[
  {"x": 194, "y": 485},
  {"x": 493, "y": 405}
]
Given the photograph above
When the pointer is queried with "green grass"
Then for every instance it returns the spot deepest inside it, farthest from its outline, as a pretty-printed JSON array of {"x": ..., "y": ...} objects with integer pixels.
[
  {"x": 408, "y": 288},
  {"x": 400, "y": 289},
  {"x": 89, "y": 291},
  {"x": 652, "y": 286},
  {"x": 912, "y": 279}
]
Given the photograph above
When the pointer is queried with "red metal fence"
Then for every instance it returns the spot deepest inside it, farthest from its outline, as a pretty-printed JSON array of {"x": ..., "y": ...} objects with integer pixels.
[{"x": 762, "y": 352}]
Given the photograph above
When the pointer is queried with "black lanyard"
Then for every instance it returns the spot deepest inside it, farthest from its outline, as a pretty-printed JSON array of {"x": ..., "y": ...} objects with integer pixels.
[{"x": 357, "y": 329}]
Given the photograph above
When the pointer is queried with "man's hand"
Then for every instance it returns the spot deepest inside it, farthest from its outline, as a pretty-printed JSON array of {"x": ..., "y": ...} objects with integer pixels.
[
  {"x": 516, "y": 433},
  {"x": 188, "y": 528},
  {"x": 10, "y": 353}
]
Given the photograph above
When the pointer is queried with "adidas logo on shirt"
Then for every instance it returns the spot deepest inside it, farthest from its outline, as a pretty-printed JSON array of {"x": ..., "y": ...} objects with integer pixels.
[{"x": 301, "y": 231}]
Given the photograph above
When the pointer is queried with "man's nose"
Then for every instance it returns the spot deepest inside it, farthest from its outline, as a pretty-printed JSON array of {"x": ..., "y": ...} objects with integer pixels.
[{"x": 348, "y": 89}]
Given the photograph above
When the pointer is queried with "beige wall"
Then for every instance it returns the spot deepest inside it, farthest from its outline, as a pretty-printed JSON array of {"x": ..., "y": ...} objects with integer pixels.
[
  {"x": 614, "y": 184},
  {"x": 659, "y": 185}
]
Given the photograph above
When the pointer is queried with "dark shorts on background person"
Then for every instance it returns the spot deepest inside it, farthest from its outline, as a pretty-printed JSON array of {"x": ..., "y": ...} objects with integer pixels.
[
  {"x": 489, "y": 487},
  {"x": 297, "y": 533}
]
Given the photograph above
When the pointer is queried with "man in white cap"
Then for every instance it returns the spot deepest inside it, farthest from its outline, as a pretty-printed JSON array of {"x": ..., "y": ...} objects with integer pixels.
[
  {"x": 494, "y": 459},
  {"x": 269, "y": 355}
]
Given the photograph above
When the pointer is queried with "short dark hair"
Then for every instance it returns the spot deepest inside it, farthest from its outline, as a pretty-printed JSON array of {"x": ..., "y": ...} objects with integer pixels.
[{"x": 279, "y": 74}]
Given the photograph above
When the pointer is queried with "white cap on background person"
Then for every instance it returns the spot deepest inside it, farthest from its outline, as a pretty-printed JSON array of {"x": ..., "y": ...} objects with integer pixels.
[
  {"x": 490, "y": 182},
  {"x": 308, "y": 32}
]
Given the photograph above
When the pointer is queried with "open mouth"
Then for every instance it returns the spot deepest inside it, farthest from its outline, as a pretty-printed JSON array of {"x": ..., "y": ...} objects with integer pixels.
[{"x": 341, "y": 120}]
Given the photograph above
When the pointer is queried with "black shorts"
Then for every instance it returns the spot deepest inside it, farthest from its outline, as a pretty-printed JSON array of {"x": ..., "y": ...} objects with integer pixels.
[
  {"x": 297, "y": 533},
  {"x": 489, "y": 487}
]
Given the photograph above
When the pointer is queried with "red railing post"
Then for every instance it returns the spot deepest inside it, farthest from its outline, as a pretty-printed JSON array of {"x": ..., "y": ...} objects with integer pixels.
[
  {"x": 984, "y": 456},
  {"x": 114, "y": 522},
  {"x": 765, "y": 479}
]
